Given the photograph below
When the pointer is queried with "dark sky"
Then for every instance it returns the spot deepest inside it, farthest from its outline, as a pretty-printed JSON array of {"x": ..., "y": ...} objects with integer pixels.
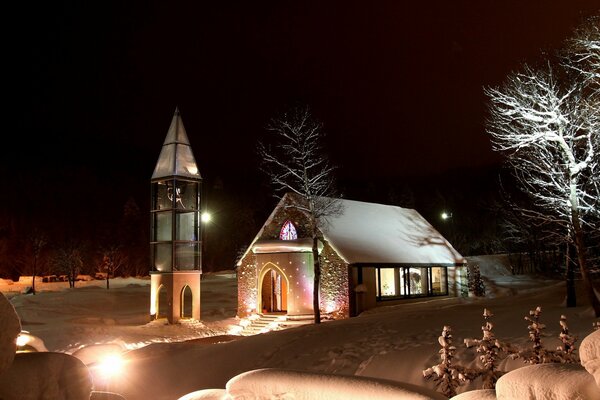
[{"x": 397, "y": 84}]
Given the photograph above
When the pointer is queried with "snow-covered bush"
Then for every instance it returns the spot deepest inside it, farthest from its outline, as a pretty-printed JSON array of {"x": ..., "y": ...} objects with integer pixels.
[
  {"x": 491, "y": 351},
  {"x": 446, "y": 376},
  {"x": 565, "y": 353},
  {"x": 547, "y": 381},
  {"x": 272, "y": 383},
  {"x": 474, "y": 280},
  {"x": 10, "y": 326},
  {"x": 537, "y": 354},
  {"x": 590, "y": 354},
  {"x": 45, "y": 375}
]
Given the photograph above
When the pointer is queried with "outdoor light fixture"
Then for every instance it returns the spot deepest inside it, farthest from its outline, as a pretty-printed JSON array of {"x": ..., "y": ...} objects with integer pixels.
[
  {"x": 110, "y": 365},
  {"x": 446, "y": 215},
  {"x": 206, "y": 217}
]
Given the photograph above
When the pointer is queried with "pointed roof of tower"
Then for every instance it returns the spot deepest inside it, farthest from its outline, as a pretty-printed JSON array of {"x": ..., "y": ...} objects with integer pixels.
[{"x": 176, "y": 157}]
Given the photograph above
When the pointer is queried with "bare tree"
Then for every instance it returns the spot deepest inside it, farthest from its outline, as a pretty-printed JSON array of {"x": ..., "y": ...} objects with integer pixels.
[
  {"x": 38, "y": 242},
  {"x": 549, "y": 136},
  {"x": 295, "y": 162},
  {"x": 67, "y": 260},
  {"x": 113, "y": 258},
  {"x": 583, "y": 53}
]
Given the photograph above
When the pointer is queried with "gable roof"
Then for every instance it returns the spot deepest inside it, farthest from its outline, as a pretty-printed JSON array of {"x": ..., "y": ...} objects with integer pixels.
[
  {"x": 176, "y": 157},
  {"x": 373, "y": 233}
]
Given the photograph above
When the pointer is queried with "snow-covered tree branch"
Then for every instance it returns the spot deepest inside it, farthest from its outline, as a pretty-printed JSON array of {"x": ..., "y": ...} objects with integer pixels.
[
  {"x": 295, "y": 162},
  {"x": 549, "y": 129}
]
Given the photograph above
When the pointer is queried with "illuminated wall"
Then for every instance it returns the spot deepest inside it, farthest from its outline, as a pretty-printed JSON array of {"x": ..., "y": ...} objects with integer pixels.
[{"x": 297, "y": 266}]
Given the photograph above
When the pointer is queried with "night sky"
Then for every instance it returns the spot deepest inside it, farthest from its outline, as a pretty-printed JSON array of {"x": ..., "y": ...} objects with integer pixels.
[{"x": 398, "y": 85}]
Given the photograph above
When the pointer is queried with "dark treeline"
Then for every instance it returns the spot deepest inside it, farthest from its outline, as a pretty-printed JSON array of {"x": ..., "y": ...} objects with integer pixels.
[{"x": 79, "y": 216}]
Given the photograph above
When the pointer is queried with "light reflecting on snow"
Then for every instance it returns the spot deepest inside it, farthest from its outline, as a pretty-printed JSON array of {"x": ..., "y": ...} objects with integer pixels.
[{"x": 110, "y": 365}]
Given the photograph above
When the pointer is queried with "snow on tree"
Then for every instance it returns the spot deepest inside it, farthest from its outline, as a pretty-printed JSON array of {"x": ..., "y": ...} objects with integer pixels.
[
  {"x": 565, "y": 353},
  {"x": 583, "y": 52},
  {"x": 550, "y": 137},
  {"x": 447, "y": 376},
  {"x": 295, "y": 162},
  {"x": 491, "y": 351},
  {"x": 537, "y": 354}
]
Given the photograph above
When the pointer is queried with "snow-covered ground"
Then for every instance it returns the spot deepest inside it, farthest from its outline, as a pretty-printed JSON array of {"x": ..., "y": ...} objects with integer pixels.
[{"x": 391, "y": 343}]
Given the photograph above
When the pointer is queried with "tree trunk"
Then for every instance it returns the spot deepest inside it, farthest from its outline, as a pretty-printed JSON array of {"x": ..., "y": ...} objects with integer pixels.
[
  {"x": 570, "y": 278},
  {"x": 581, "y": 257},
  {"x": 33, "y": 278},
  {"x": 317, "y": 282}
]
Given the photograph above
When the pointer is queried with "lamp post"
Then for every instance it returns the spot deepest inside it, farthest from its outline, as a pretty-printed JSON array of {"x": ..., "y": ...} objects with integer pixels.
[{"x": 205, "y": 217}]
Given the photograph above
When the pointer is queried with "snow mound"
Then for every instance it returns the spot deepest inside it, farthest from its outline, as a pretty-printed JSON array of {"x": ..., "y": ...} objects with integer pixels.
[
  {"x": 10, "y": 327},
  {"x": 548, "y": 382},
  {"x": 300, "y": 385},
  {"x": 207, "y": 394},
  {"x": 483, "y": 394},
  {"x": 589, "y": 353},
  {"x": 56, "y": 376}
]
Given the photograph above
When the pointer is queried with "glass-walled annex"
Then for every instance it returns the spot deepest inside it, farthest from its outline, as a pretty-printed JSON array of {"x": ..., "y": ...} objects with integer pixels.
[{"x": 401, "y": 282}]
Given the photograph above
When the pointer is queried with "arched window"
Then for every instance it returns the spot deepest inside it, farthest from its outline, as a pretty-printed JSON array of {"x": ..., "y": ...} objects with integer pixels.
[{"x": 288, "y": 231}]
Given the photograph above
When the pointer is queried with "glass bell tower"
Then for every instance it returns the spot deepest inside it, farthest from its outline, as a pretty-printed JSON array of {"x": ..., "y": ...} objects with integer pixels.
[{"x": 175, "y": 242}]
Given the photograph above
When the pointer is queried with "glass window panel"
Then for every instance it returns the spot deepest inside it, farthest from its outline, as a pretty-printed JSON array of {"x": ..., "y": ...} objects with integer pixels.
[
  {"x": 438, "y": 280},
  {"x": 162, "y": 199},
  {"x": 388, "y": 281},
  {"x": 187, "y": 256},
  {"x": 162, "y": 257},
  {"x": 162, "y": 226},
  {"x": 417, "y": 281},
  {"x": 288, "y": 231},
  {"x": 187, "y": 195},
  {"x": 187, "y": 226},
  {"x": 403, "y": 283}
]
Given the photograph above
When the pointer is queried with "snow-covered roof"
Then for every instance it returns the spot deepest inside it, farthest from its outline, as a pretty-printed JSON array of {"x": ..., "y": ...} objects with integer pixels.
[
  {"x": 176, "y": 157},
  {"x": 378, "y": 233},
  {"x": 381, "y": 234}
]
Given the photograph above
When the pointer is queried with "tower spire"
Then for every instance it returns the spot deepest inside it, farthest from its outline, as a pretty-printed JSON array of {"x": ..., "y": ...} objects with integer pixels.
[{"x": 176, "y": 157}]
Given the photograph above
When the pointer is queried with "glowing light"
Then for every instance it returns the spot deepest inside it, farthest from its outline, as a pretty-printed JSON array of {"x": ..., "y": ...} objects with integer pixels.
[
  {"x": 205, "y": 217},
  {"x": 330, "y": 307},
  {"x": 23, "y": 339},
  {"x": 110, "y": 365},
  {"x": 446, "y": 215}
]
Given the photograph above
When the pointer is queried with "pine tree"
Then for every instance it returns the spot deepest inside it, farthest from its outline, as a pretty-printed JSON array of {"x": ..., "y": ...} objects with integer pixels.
[
  {"x": 474, "y": 280},
  {"x": 447, "y": 377},
  {"x": 537, "y": 354},
  {"x": 565, "y": 353},
  {"x": 491, "y": 351}
]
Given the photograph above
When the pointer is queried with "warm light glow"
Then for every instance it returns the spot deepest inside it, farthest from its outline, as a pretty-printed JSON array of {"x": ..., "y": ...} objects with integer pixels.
[
  {"x": 110, "y": 365},
  {"x": 446, "y": 215},
  {"x": 23, "y": 339},
  {"x": 205, "y": 217}
]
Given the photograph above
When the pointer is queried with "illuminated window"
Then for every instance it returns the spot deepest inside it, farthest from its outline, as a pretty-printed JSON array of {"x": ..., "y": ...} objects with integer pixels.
[
  {"x": 288, "y": 231},
  {"x": 394, "y": 283}
]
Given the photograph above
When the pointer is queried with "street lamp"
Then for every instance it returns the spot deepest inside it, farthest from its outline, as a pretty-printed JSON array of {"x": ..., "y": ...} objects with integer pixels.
[
  {"x": 206, "y": 217},
  {"x": 445, "y": 215}
]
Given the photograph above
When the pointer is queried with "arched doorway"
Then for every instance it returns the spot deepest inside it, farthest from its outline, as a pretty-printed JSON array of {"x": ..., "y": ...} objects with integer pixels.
[
  {"x": 186, "y": 302},
  {"x": 274, "y": 291},
  {"x": 162, "y": 304}
]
